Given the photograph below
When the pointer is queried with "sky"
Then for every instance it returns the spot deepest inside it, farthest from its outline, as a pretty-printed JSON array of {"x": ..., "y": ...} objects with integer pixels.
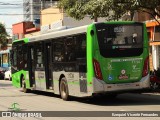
[{"x": 11, "y": 12}]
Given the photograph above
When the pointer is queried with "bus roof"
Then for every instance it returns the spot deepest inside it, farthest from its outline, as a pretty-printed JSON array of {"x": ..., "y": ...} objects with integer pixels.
[
  {"x": 25, "y": 40},
  {"x": 61, "y": 33},
  {"x": 65, "y": 32}
]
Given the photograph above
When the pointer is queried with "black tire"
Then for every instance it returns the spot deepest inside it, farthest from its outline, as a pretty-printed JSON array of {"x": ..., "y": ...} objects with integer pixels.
[
  {"x": 64, "y": 92},
  {"x": 24, "y": 89}
]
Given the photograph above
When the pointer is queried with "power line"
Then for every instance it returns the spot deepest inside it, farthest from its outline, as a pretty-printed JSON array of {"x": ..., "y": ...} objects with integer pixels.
[
  {"x": 5, "y": 3},
  {"x": 8, "y": 4},
  {"x": 27, "y": 3},
  {"x": 27, "y": 14},
  {"x": 15, "y": 7}
]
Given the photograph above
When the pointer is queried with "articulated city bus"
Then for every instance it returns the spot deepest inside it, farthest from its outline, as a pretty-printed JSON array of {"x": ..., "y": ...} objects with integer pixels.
[{"x": 107, "y": 57}]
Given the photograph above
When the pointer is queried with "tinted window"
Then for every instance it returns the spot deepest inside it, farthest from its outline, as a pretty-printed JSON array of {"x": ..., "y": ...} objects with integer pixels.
[
  {"x": 120, "y": 40},
  {"x": 58, "y": 51},
  {"x": 14, "y": 56},
  {"x": 69, "y": 53},
  {"x": 39, "y": 56}
]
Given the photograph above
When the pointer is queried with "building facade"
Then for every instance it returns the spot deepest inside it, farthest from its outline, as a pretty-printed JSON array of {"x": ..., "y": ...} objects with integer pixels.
[
  {"x": 23, "y": 28},
  {"x": 154, "y": 38},
  {"x": 53, "y": 18},
  {"x": 32, "y": 8}
]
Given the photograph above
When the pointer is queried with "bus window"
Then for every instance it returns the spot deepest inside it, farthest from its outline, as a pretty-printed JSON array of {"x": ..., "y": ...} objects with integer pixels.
[
  {"x": 120, "y": 40},
  {"x": 81, "y": 46},
  {"x": 14, "y": 56},
  {"x": 14, "y": 59},
  {"x": 70, "y": 49},
  {"x": 20, "y": 58},
  {"x": 81, "y": 52},
  {"x": 24, "y": 62},
  {"x": 58, "y": 51},
  {"x": 39, "y": 57}
]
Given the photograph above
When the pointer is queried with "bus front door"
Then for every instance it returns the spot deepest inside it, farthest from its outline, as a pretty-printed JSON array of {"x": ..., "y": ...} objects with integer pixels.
[{"x": 48, "y": 64}]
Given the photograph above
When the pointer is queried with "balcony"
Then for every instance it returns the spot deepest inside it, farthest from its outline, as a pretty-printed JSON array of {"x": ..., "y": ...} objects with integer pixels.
[
  {"x": 48, "y": 4},
  {"x": 26, "y": 6}
]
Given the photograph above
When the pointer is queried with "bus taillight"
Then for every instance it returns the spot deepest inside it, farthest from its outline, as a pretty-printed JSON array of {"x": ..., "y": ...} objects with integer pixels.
[
  {"x": 97, "y": 69},
  {"x": 145, "y": 67}
]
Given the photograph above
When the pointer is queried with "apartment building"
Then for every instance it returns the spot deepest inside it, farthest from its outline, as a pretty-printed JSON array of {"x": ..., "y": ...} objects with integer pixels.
[
  {"x": 53, "y": 18},
  {"x": 32, "y": 8}
]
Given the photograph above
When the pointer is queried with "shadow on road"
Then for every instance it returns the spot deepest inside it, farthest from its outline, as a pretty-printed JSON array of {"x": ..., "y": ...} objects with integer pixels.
[
  {"x": 48, "y": 94},
  {"x": 130, "y": 99},
  {"x": 121, "y": 100},
  {"x": 150, "y": 98}
]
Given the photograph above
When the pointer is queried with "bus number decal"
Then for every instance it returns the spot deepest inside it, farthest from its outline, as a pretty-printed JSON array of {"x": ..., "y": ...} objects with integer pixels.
[{"x": 119, "y": 29}]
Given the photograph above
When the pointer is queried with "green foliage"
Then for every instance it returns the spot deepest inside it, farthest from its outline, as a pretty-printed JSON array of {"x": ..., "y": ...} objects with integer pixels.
[
  {"x": 98, "y": 8},
  {"x": 3, "y": 35},
  {"x": 111, "y": 9},
  {"x": 150, "y": 6},
  {"x": 121, "y": 7},
  {"x": 73, "y": 8},
  {"x": 78, "y": 9}
]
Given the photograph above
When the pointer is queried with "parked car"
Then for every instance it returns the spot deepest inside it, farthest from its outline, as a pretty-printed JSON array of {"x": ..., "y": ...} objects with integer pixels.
[
  {"x": 2, "y": 71},
  {"x": 7, "y": 74}
]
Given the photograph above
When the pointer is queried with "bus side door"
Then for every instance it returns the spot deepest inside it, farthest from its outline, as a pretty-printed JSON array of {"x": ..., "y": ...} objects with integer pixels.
[{"x": 48, "y": 64}]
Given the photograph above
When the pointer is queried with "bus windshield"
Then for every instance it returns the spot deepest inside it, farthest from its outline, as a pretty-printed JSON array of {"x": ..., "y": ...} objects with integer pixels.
[{"x": 120, "y": 40}]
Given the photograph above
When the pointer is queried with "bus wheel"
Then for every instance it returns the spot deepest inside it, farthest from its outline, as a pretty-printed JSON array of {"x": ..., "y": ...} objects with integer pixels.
[
  {"x": 64, "y": 89},
  {"x": 24, "y": 89}
]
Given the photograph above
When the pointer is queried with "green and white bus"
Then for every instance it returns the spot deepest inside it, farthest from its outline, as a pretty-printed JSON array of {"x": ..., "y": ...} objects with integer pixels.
[{"x": 105, "y": 57}]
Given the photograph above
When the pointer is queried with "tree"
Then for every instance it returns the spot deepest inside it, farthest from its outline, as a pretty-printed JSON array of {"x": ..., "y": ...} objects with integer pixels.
[
  {"x": 151, "y": 7},
  {"x": 93, "y": 8},
  {"x": 111, "y": 9},
  {"x": 3, "y": 35},
  {"x": 121, "y": 7}
]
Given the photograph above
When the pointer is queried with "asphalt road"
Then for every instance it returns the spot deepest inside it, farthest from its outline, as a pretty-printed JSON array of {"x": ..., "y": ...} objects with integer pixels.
[{"x": 42, "y": 101}]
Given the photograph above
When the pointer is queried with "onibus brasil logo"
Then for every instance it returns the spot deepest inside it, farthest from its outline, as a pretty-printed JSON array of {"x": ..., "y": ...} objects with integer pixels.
[{"x": 14, "y": 107}]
